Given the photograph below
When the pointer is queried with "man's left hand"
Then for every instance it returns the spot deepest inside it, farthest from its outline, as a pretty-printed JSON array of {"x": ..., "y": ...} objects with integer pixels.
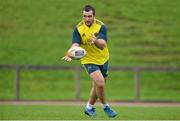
[{"x": 93, "y": 39}]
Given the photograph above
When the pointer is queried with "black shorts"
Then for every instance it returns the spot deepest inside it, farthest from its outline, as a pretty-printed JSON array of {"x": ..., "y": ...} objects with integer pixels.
[{"x": 93, "y": 67}]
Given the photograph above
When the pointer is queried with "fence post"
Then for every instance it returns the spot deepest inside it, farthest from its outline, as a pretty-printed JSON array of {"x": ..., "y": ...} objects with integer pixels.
[
  {"x": 77, "y": 83},
  {"x": 17, "y": 83},
  {"x": 137, "y": 84}
]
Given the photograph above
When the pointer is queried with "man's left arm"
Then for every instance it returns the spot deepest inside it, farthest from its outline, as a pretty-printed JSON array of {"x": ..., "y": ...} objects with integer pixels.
[{"x": 101, "y": 39}]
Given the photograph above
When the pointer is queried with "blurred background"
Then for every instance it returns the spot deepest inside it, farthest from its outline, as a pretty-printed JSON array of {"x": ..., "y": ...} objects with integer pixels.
[{"x": 141, "y": 34}]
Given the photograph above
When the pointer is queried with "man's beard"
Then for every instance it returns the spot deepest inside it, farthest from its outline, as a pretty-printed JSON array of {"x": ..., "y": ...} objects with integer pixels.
[{"x": 88, "y": 23}]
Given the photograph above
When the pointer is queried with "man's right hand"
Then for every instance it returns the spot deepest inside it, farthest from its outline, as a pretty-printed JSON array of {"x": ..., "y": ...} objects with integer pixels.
[{"x": 67, "y": 57}]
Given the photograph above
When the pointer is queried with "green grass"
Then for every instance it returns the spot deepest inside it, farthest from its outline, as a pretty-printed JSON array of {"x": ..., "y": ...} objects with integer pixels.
[
  {"x": 51, "y": 85},
  {"x": 140, "y": 33},
  {"x": 39, "y": 32},
  {"x": 58, "y": 112}
]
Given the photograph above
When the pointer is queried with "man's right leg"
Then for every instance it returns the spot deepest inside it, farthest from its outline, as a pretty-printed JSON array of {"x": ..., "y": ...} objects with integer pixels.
[
  {"x": 93, "y": 96},
  {"x": 96, "y": 91},
  {"x": 100, "y": 91},
  {"x": 89, "y": 110},
  {"x": 99, "y": 84}
]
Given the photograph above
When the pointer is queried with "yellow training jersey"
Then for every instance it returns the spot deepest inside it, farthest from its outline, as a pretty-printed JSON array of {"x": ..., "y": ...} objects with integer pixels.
[{"x": 83, "y": 33}]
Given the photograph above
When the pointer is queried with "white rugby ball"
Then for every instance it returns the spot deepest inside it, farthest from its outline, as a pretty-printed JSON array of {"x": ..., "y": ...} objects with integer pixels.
[{"x": 77, "y": 52}]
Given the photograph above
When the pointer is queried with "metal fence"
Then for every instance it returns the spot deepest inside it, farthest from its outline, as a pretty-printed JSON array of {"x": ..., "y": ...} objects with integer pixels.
[{"x": 78, "y": 69}]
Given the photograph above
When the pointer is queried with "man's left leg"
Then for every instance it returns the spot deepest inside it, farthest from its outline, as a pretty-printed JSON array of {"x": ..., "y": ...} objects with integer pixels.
[{"x": 107, "y": 108}]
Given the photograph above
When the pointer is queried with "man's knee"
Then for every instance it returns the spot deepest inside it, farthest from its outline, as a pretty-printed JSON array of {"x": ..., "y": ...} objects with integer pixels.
[
  {"x": 100, "y": 83},
  {"x": 98, "y": 78}
]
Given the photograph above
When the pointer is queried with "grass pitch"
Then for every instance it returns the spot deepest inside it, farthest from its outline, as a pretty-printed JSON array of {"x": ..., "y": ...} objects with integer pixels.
[{"x": 59, "y": 112}]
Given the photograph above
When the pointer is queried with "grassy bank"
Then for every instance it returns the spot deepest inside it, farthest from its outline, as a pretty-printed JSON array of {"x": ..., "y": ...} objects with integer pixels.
[{"x": 140, "y": 33}]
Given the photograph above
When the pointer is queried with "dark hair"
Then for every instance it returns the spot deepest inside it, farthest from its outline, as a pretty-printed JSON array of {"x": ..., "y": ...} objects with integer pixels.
[{"x": 88, "y": 8}]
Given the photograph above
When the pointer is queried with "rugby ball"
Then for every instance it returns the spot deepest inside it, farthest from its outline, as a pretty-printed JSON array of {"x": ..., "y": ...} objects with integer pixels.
[{"x": 77, "y": 52}]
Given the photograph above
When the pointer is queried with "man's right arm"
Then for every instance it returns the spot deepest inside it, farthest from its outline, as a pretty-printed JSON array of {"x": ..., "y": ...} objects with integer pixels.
[{"x": 76, "y": 40}]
